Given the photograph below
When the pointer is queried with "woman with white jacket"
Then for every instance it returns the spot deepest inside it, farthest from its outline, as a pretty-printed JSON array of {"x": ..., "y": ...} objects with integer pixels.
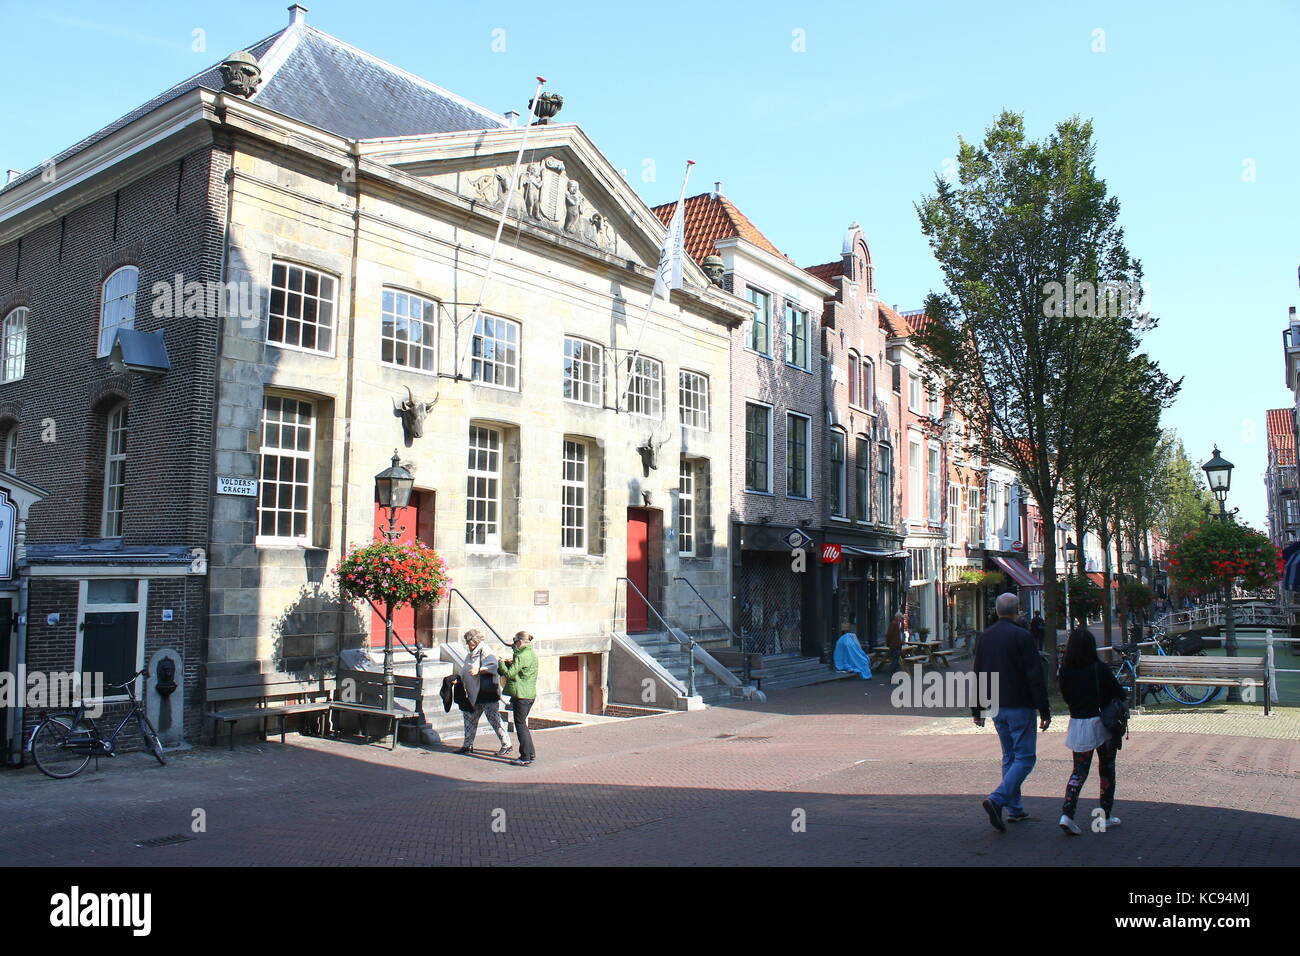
[{"x": 480, "y": 663}]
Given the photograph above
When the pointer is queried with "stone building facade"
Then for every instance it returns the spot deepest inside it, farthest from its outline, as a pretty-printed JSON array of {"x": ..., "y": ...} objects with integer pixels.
[{"x": 233, "y": 288}]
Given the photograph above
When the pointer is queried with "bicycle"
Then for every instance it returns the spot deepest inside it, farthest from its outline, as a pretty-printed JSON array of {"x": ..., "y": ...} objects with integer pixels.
[{"x": 62, "y": 744}]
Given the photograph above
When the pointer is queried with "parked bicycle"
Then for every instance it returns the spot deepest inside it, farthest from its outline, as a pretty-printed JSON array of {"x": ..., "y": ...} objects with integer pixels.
[{"x": 62, "y": 744}]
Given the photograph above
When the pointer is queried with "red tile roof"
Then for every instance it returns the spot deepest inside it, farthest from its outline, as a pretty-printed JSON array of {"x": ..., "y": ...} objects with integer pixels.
[
  {"x": 917, "y": 320},
  {"x": 893, "y": 323},
  {"x": 1281, "y": 438},
  {"x": 710, "y": 218},
  {"x": 828, "y": 272}
]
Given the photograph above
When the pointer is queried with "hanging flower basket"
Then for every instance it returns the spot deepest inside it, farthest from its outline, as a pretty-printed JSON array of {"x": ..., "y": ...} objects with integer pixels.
[
  {"x": 390, "y": 572},
  {"x": 1219, "y": 553},
  {"x": 973, "y": 577}
]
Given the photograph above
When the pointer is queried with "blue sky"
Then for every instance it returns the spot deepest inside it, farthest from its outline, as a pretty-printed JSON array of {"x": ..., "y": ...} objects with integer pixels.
[{"x": 1194, "y": 106}]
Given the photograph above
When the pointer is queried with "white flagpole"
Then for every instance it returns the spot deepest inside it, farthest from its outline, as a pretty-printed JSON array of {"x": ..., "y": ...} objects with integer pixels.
[
  {"x": 670, "y": 259},
  {"x": 501, "y": 222}
]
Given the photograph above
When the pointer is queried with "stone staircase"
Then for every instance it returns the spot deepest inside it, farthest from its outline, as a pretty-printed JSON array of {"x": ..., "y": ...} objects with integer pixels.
[
  {"x": 783, "y": 671},
  {"x": 671, "y": 656}
]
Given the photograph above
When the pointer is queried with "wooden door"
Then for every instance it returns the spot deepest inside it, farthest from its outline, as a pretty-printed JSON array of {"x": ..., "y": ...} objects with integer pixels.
[
  {"x": 638, "y": 568},
  {"x": 571, "y": 684},
  {"x": 415, "y": 522}
]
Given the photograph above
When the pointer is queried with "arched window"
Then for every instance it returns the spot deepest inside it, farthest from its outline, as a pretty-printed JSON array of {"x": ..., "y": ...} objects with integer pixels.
[
  {"x": 9, "y": 448},
  {"x": 117, "y": 310},
  {"x": 14, "y": 345},
  {"x": 853, "y": 378},
  {"x": 114, "y": 470}
]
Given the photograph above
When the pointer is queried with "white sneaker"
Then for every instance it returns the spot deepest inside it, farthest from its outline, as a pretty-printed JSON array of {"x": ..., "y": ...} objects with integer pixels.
[
  {"x": 1069, "y": 826},
  {"x": 1112, "y": 822}
]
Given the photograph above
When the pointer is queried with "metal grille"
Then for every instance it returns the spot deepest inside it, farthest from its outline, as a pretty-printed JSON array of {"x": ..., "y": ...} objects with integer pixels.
[{"x": 771, "y": 605}]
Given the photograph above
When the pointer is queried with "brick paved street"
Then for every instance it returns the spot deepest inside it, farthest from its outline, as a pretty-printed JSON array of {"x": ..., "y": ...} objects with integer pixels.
[{"x": 718, "y": 787}]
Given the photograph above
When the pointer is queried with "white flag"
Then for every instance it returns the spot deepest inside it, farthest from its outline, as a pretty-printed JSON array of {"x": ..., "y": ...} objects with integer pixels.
[{"x": 668, "y": 275}]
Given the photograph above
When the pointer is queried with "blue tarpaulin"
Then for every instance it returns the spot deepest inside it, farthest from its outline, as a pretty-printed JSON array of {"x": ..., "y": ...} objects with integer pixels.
[{"x": 849, "y": 656}]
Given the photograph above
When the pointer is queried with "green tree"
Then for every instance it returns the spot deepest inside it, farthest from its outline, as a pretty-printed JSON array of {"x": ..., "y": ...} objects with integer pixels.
[{"x": 1025, "y": 227}]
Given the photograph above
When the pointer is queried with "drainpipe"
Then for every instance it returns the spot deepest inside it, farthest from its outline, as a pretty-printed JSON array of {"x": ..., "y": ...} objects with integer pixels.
[
  {"x": 20, "y": 666},
  {"x": 349, "y": 384}
]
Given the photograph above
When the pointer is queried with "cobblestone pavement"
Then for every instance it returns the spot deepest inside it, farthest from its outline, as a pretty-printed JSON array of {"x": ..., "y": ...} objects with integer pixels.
[{"x": 828, "y": 774}]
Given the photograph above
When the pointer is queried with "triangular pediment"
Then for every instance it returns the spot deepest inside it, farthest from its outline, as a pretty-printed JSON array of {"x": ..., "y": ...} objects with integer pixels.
[{"x": 565, "y": 187}]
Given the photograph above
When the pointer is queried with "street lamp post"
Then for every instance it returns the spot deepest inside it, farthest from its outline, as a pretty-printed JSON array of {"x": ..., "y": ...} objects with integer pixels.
[
  {"x": 1218, "y": 474},
  {"x": 1068, "y": 547},
  {"x": 392, "y": 491}
]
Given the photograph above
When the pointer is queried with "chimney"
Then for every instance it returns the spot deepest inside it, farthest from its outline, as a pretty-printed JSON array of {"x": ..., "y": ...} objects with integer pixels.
[
  {"x": 717, "y": 189},
  {"x": 512, "y": 117},
  {"x": 297, "y": 14}
]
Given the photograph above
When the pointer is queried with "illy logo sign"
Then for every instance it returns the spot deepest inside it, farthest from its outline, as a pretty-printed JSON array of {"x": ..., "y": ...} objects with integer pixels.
[{"x": 832, "y": 553}]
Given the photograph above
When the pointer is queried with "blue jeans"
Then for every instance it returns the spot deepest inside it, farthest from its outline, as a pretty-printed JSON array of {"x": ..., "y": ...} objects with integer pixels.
[{"x": 1018, "y": 731}]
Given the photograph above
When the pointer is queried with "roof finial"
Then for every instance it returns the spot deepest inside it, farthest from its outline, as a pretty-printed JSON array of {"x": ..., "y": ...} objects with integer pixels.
[{"x": 297, "y": 14}]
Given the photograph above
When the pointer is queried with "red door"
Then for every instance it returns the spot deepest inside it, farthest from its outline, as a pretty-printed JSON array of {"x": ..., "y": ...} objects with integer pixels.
[
  {"x": 415, "y": 522},
  {"x": 571, "y": 684},
  {"x": 638, "y": 568}
]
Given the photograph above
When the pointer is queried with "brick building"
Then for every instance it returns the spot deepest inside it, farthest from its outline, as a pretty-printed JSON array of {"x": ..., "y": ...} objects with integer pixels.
[
  {"x": 1280, "y": 485},
  {"x": 110, "y": 433},
  {"x": 778, "y": 481},
  {"x": 861, "y": 513}
]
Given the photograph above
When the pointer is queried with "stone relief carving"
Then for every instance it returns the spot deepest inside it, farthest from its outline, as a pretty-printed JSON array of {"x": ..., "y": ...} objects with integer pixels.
[{"x": 548, "y": 196}]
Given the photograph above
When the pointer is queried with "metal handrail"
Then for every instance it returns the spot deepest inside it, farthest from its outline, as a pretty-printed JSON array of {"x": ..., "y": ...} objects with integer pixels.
[
  {"x": 668, "y": 629},
  {"x": 739, "y": 640},
  {"x": 446, "y": 629}
]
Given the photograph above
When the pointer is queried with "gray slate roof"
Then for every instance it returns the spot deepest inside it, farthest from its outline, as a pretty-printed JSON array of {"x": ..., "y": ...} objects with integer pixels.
[{"x": 330, "y": 85}]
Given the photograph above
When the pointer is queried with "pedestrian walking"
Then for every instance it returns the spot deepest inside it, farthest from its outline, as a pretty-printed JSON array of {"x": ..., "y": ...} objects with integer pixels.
[
  {"x": 1005, "y": 653},
  {"x": 479, "y": 676},
  {"x": 1038, "y": 628},
  {"x": 1088, "y": 686},
  {"x": 520, "y": 672},
  {"x": 894, "y": 641}
]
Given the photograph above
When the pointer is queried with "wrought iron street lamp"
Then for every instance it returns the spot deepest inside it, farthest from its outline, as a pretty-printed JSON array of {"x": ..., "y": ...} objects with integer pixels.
[
  {"x": 1068, "y": 547},
  {"x": 392, "y": 491},
  {"x": 1218, "y": 475}
]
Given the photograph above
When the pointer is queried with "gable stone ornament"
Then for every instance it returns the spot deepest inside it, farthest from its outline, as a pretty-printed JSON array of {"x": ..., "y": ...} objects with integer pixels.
[{"x": 241, "y": 74}]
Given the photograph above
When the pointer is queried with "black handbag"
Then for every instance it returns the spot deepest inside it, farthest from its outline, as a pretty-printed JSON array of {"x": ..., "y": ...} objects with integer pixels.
[
  {"x": 488, "y": 688},
  {"x": 1114, "y": 713}
]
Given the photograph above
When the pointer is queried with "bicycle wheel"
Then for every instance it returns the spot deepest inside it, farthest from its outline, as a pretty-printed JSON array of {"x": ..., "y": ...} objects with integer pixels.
[
  {"x": 60, "y": 749},
  {"x": 151, "y": 739}
]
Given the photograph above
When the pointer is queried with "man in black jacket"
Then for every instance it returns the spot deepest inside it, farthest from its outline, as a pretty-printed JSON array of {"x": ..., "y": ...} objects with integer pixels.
[{"x": 1007, "y": 663}]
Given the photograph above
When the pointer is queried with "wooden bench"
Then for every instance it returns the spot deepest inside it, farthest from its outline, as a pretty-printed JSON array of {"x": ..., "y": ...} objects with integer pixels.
[
  {"x": 278, "y": 697},
  {"x": 362, "y": 693},
  {"x": 1205, "y": 672},
  {"x": 942, "y": 656}
]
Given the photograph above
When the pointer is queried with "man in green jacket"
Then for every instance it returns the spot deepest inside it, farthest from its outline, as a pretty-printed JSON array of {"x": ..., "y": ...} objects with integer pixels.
[{"x": 520, "y": 673}]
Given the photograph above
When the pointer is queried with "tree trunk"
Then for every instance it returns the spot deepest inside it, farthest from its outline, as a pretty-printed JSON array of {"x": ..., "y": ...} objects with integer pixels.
[
  {"x": 1106, "y": 605},
  {"x": 1119, "y": 558},
  {"x": 1050, "y": 623}
]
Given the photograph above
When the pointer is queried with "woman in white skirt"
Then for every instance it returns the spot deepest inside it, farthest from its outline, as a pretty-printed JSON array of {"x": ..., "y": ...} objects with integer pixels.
[{"x": 1087, "y": 686}]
